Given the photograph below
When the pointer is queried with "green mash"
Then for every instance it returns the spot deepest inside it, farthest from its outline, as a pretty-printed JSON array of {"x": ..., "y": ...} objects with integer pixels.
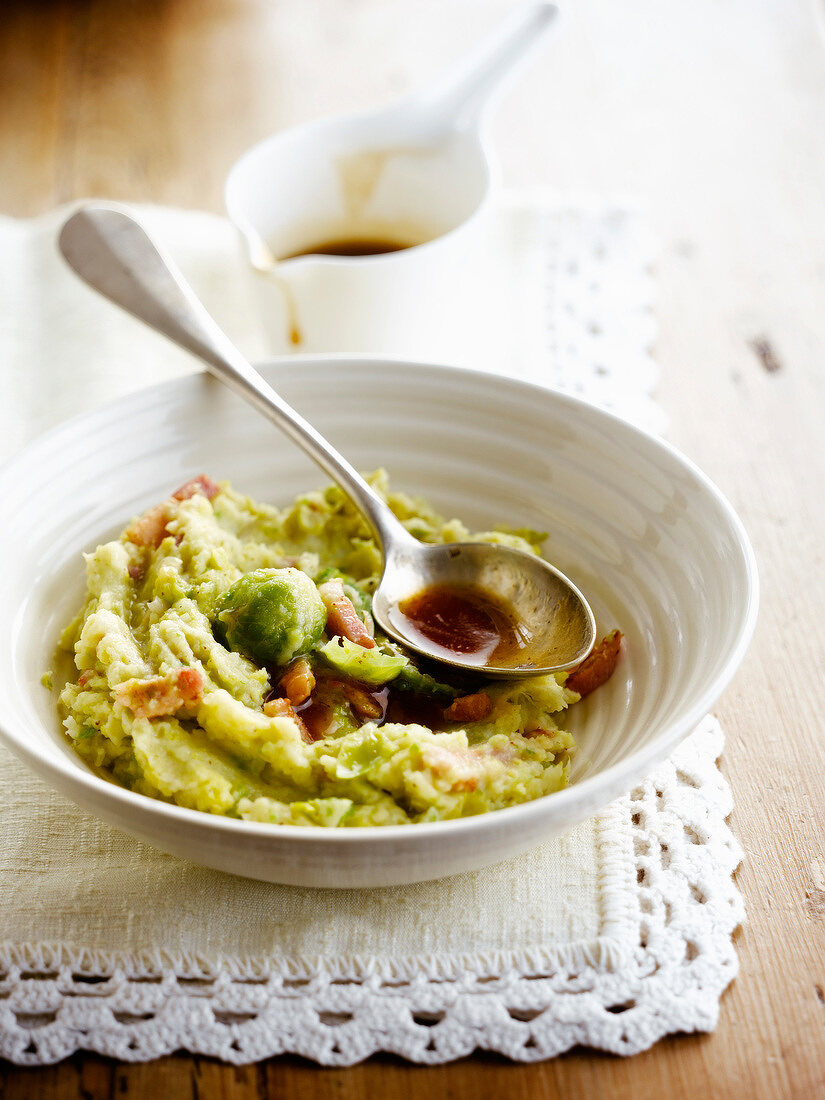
[{"x": 211, "y": 673}]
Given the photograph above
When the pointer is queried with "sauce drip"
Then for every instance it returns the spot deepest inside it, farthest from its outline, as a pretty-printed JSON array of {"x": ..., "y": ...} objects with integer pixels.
[
  {"x": 462, "y": 619},
  {"x": 359, "y": 246},
  {"x": 316, "y": 714}
]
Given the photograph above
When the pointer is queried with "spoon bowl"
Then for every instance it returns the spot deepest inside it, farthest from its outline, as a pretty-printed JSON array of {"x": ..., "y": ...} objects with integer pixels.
[
  {"x": 554, "y": 626},
  {"x": 112, "y": 253}
]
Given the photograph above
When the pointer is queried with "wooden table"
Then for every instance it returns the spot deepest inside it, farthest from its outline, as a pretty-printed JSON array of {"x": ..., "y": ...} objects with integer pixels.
[{"x": 712, "y": 116}]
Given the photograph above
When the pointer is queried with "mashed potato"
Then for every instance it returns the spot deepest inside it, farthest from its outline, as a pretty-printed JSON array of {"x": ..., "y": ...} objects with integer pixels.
[{"x": 227, "y": 661}]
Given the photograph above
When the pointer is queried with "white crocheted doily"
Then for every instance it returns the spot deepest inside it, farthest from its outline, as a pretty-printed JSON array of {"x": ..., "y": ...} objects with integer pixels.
[
  {"x": 672, "y": 958},
  {"x": 580, "y": 294}
]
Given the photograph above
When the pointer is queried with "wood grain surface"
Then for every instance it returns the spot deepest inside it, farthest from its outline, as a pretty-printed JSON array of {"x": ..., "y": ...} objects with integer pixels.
[{"x": 711, "y": 116}]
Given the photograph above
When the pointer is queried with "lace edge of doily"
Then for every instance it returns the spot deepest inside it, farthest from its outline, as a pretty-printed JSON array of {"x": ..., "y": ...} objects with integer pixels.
[{"x": 603, "y": 954}]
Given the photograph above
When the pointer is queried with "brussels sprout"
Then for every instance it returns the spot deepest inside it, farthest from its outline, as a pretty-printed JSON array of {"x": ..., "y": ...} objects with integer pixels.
[
  {"x": 370, "y": 666},
  {"x": 271, "y": 615},
  {"x": 412, "y": 679}
]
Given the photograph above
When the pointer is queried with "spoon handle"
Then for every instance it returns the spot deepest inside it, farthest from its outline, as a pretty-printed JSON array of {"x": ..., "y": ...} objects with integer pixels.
[
  {"x": 460, "y": 98},
  {"x": 114, "y": 255}
]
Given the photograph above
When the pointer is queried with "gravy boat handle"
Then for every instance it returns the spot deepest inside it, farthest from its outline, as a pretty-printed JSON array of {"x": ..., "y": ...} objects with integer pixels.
[{"x": 460, "y": 98}]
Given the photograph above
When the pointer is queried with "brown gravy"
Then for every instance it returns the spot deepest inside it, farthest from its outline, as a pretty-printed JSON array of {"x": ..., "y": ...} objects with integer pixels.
[
  {"x": 463, "y": 619},
  {"x": 352, "y": 247},
  {"x": 391, "y": 704}
]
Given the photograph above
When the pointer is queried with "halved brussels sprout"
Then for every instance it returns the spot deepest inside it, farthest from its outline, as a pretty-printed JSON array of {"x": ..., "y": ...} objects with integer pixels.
[
  {"x": 413, "y": 679},
  {"x": 370, "y": 666}
]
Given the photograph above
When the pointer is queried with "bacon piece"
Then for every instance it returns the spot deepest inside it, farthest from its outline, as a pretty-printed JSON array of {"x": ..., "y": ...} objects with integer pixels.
[
  {"x": 596, "y": 669},
  {"x": 298, "y": 682},
  {"x": 364, "y": 705},
  {"x": 469, "y": 708},
  {"x": 85, "y": 677},
  {"x": 136, "y": 572},
  {"x": 199, "y": 484},
  {"x": 462, "y": 765},
  {"x": 150, "y": 528},
  {"x": 282, "y": 708},
  {"x": 162, "y": 695},
  {"x": 278, "y": 708},
  {"x": 342, "y": 618}
]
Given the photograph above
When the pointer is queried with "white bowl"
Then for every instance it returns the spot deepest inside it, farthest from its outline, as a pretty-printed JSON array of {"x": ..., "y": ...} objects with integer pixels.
[{"x": 649, "y": 539}]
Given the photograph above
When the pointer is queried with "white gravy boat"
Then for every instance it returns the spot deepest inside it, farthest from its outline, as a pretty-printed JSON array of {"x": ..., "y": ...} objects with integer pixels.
[{"x": 419, "y": 173}]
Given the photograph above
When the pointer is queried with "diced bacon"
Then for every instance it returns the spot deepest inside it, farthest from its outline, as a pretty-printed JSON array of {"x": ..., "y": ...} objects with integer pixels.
[
  {"x": 364, "y": 705},
  {"x": 342, "y": 618},
  {"x": 278, "y": 708},
  {"x": 469, "y": 708},
  {"x": 464, "y": 766},
  {"x": 190, "y": 685},
  {"x": 282, "y": 708},
  {"x": 596, "y": 669},
  {"x": 84, "y": 677},
  {"x": 199, "y": 484},
  {"x": 298, "y": 682},
  {"x": 150, "y": 528},
  {"x": 136, "y": 572},
  {"x": 162, "y": 695}
]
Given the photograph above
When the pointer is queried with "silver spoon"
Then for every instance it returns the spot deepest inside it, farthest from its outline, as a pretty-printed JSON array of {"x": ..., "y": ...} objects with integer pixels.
[{"x": 554, "y": 626}]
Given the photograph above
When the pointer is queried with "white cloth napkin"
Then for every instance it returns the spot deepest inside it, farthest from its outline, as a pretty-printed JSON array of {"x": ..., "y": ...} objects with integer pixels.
[{"x": 611, "y": 935}]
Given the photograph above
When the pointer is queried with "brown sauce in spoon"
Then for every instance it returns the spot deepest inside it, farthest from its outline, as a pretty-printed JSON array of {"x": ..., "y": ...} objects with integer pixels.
[{"x": 462, "y": 619}]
